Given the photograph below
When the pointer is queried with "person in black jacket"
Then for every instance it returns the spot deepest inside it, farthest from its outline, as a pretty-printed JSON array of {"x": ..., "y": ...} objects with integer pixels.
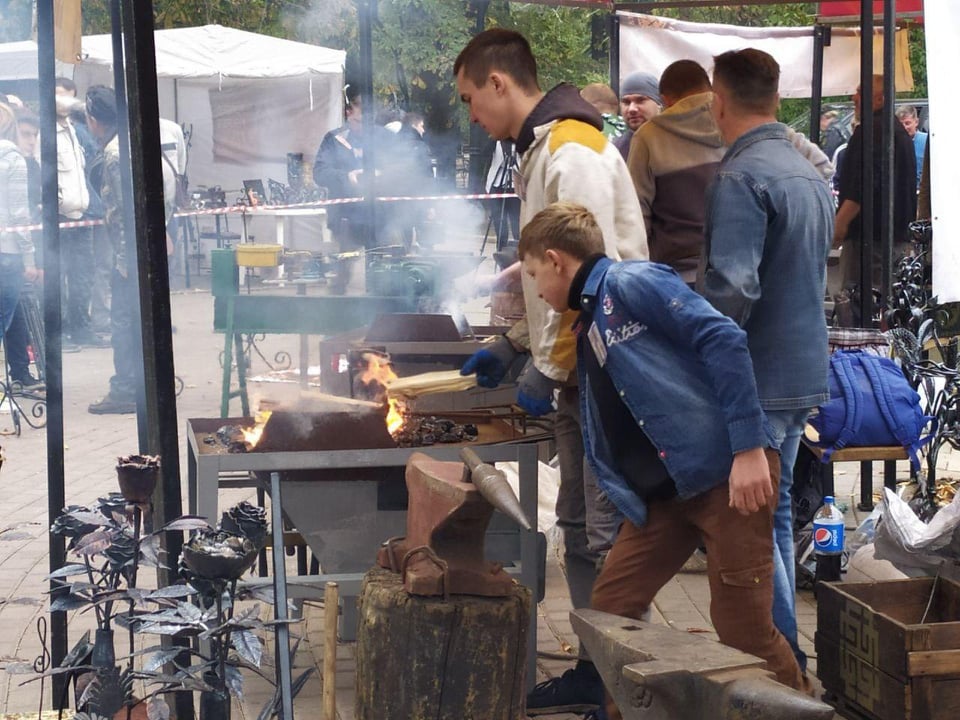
[
  {"x": 339, "y": 168},
  {"x": 847, "y": 227}
]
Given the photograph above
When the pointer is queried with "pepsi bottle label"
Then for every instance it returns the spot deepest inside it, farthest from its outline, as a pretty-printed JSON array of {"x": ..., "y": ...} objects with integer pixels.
[{"x": 828, "y": 539}]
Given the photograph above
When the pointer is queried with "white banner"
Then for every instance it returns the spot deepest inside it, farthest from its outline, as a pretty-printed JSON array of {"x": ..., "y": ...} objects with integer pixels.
[
  {"x": 651, "y": 43},
  {"x": 942, "y": 25}
]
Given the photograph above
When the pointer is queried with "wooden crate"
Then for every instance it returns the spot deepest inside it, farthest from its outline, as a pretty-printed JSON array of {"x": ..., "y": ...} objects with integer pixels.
[{"x": 876, "y": 656}]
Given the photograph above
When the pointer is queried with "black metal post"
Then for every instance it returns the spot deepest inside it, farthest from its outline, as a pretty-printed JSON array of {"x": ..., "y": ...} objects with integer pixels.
[
  {"x": 145, "y": 221},
  {"x": 478, "y": 137},
  {"x": 887, "y": 168},
  {"x": 366, "y": 11},
  {"x": 56, "y": 499},
  {"x": 821, "y": 39},
  {"x": 867, "y": 230},
  {"x": 126, "y": 191},
  {"x": 615, "y": 52}
]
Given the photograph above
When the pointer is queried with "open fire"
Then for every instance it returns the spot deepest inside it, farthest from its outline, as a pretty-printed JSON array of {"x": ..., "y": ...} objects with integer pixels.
[
  {"x": 252, "y": 435},
  {"x": 373, "y": 380}
]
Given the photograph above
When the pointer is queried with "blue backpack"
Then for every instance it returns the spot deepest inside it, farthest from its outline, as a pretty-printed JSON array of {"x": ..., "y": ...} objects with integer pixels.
[{"x": 871, "y": 403}]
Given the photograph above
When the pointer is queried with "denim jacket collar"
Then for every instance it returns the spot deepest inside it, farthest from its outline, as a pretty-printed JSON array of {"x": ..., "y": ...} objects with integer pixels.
[
  {"x": 588, "y": 298},
  {"x": 767, "y": 131}
]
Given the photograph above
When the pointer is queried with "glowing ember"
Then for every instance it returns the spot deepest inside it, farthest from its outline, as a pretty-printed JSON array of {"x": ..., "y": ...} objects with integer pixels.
[
  {"x": 251, "y": 436},
  {"x": 378, "y": 373}
]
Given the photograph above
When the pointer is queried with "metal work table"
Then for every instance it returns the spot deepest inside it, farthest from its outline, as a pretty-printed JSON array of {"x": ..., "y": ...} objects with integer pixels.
[{"x": 350, "y": 506}]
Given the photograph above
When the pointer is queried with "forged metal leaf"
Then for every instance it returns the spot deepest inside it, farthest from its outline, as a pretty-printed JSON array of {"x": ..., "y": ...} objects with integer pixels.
[
  {"x": 234, "y": 681},
  {"x": 88, "y": 516},
  {"x": 170, "y": 614},
  {"x": 110, "y": 596},
  {"x": 248, "y": 646},
  {"x": 84, "y": 588},
  {"x": 93, "y": 543},
  {"x": 67, "y": 571},
  {"x": 159, "y": 659},
  {"x": 120, "y": 518},
  {"x": 163, "y": 628},
  {"x": 172, "y": 591},
  {"x": 150, "y": 551},
  {"x": 262, "y": 593},
  {"x": 190, "y": 612},
  {"x": 157, "y": 709},
  {"x": 138, "y": 595},
  {"x": 188, "y": 522},
  {"x": 68, "y": 602},
  {"x": 252, "y": 612}
]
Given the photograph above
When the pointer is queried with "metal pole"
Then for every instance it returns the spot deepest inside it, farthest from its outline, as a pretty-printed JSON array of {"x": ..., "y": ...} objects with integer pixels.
[
  {"x": 887, "y": 168},
  {"x": 145, "y": 222},
  {"x": 821, "y": 39},
  {"x": 46, "y": 66},
  {"x": 867, "y": 237},
  {"x": 478, "y": 138},
  {"x": 365, "y": 14},
  {"x": 615, "y": 52},
  {"x": 126, "y": 190}
]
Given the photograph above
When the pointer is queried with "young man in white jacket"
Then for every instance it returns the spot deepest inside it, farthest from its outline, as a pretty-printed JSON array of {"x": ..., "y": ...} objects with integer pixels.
[{"x": 563, "y": 156}]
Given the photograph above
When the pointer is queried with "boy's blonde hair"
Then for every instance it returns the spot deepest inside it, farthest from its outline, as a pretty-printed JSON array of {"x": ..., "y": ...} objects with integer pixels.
[
  {"x": 8, "y": 124},
  {"x": 564, "y": 226}
]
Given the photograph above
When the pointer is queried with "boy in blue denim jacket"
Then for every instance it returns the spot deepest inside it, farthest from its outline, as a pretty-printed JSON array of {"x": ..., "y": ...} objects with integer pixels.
[{"x": 673, "y": 428}]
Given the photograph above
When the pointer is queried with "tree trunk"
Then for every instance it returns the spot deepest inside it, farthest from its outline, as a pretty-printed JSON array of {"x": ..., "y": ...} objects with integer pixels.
[{"x": 422, "y": 658}]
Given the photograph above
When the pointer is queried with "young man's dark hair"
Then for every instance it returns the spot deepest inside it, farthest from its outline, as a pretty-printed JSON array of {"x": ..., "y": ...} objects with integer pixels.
[
  {"x": 683, "y": 78},
  {"x": 27, "y": 117},
  {"x": 67, "y": 84},
  {"x": 752, "y": 78},
  {"x": 102, "y": 105},
  {"x": 498, "y": 49}
]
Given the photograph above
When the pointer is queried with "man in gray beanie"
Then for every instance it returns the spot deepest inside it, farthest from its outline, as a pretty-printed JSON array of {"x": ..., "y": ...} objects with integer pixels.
[{"x": 639, "y": 101}]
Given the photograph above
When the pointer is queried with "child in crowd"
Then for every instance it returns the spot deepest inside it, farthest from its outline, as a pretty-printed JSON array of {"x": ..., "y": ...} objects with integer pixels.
[{"x": 673, "y": 428}]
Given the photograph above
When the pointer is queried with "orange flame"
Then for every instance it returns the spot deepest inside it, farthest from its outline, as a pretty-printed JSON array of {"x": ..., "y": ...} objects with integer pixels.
[
  {"x": 251, "y": 436},
  {"x": 380, "y": 371}
]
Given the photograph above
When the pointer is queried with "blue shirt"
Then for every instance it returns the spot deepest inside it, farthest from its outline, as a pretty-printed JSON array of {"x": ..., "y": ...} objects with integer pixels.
[
  {"x": 768, "y": 232},
  {"x": 919, "y": 148},
  {"x": 681, "y": 368}
]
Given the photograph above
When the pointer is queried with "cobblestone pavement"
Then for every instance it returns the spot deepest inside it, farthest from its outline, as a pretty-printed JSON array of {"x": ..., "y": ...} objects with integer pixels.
[{"x": 91, "y": 446}]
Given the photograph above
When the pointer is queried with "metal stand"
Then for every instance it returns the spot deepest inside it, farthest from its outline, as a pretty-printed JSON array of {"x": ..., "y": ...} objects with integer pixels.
[
  {"x": 38, "y": 410},
  {"x": 282, "y": 631}
]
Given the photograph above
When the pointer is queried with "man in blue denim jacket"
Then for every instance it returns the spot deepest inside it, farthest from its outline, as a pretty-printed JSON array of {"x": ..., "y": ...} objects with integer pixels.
[
  {"x": 673, "y": 429},
  {"x": 768, "y": 231}
]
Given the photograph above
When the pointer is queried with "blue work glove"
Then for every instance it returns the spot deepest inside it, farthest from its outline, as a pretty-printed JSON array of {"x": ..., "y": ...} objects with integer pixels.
[
  {"x": 535, "y": 394},
  {"x": 491, "y": 363}
]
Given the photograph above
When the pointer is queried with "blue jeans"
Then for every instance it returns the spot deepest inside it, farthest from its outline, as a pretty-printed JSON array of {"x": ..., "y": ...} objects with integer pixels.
[
  {"x": 787, "y": 426},
  {"x": 11, "y": 282}
]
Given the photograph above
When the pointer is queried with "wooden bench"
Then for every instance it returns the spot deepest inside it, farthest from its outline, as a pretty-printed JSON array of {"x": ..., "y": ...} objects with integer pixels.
[{"x": 866, "y": 456}]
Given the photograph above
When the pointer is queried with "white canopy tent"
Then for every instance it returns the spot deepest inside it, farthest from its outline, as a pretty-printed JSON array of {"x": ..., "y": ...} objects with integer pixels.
[{"x": 249, "y": 99}]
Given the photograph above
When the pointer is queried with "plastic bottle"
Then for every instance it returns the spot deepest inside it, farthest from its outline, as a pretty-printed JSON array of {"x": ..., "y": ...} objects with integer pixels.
[{"x": 828, "y": 540}]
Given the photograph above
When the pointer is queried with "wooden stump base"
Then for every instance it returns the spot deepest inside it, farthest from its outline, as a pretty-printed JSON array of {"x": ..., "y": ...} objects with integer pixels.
[{"x": 425, "y": 658}]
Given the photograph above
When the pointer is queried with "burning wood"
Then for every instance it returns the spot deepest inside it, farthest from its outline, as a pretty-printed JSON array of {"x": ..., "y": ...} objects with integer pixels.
[
  {"x": 251, "y": 436},
  {"x": 425, "y": 431},
  {"x": 372, "y": 383}
]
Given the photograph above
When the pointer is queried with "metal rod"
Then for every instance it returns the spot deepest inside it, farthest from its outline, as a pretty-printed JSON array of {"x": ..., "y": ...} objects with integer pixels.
[
  {"x": 867, "y": 229},
  {"x": 821, "y": 39},
  {"x": 46, "y": 65},
  {"x": 282, "y": 634},
  {"x": 615, "y": 53},
  {"x": 887, "y": 167},
  {"x": 366, "y": 9},
  {"x": 331, "y": 611}
]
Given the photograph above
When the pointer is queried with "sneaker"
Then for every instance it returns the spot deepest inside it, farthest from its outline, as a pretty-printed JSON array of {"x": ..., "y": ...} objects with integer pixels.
[
  {"x": 578, "y": 690},
  {"x": 110, "y": 405},
  {"x": 26, "y": 382}
]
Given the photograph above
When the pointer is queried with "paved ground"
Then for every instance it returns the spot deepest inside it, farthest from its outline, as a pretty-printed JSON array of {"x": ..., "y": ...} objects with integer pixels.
[{"x": 92, "y": 444}]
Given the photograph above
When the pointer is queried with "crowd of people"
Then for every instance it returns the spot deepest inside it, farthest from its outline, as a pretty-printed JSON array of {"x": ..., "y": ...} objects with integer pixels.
[
  {"x": 98, "y": 300},
  {"x": 673, "y": 262}
]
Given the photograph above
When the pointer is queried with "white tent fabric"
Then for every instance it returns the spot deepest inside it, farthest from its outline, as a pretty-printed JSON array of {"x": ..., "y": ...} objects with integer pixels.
[
  {"x": 215, "y": 51},
  {"x": 651, "y": 43},
  {"x": 249, "y": 99},
  {"x": 942, "y": 27}
]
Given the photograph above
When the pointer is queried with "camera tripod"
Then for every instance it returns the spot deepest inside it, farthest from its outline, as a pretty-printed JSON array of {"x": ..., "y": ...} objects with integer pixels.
[{"x": 506, "y": 213}]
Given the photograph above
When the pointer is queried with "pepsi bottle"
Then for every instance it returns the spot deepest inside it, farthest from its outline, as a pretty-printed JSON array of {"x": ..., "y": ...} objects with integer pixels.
[{"x": 828, "y": 540}]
